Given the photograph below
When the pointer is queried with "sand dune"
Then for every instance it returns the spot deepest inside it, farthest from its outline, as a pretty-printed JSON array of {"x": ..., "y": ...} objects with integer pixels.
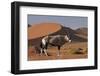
[{"x": 42, "y": 29}]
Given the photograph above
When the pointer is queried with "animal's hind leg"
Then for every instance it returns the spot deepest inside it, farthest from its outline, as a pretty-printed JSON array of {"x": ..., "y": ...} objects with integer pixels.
[
  {"x": 41, "y": 51},
  {"x": 58, "y": 51},
  {"x": 45, "y": 51}
]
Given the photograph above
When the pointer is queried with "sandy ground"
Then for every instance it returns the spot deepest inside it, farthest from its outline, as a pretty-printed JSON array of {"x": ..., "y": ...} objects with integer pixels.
[{"x": 68, "y": 51}]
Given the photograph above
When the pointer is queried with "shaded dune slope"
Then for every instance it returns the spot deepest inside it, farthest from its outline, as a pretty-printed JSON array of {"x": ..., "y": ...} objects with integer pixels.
[
  {"x": 82, "y": 31},
  {"x": 73, "y": 34}
]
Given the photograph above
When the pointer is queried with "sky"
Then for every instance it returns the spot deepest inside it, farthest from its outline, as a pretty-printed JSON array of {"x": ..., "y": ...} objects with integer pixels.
[{"x": 73, "y": 22}]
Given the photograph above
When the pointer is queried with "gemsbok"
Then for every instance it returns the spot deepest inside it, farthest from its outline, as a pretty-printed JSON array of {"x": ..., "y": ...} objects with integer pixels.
[{"x": 56, "y": 40}]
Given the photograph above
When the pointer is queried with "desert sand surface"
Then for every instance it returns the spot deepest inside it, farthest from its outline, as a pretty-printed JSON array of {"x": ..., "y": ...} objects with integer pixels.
[{"x": 68, "y": 51}]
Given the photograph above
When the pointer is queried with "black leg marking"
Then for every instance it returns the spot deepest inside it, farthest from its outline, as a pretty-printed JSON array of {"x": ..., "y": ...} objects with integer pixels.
[{"x": 58, "y": 51}]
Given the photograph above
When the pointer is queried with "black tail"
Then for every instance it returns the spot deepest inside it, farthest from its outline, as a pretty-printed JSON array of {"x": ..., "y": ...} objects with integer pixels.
[{"x": 43, "y": 46}]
